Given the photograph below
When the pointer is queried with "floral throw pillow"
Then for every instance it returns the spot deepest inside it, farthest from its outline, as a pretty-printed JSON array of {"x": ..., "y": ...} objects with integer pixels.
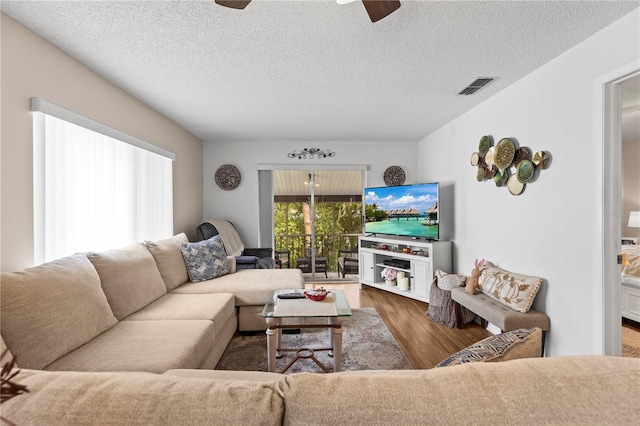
[
  {"x": 206, "y": 259},
  {"x": 516, "y": 291},
  {"x": 448, "y": 281}
]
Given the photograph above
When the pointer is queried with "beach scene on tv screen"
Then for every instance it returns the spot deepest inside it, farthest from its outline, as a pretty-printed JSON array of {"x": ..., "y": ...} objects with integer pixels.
[{"x": 402, "y": 210}]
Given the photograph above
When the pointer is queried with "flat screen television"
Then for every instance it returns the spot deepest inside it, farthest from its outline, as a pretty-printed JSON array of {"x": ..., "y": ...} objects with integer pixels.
[{"x": 404, "y": 210}]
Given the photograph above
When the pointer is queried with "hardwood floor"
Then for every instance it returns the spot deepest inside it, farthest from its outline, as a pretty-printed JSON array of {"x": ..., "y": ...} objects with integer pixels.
[
  {"x": 630, "y": 338},
  {"x": 424, "y": 343}
]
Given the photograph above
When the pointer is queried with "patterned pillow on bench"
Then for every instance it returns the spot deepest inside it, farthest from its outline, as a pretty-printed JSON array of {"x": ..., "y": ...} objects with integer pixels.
[{"x": 516, "y": 291}]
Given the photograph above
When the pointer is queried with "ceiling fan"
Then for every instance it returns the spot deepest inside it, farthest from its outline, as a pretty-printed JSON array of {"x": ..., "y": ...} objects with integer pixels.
[{"x": 377, "y": 9}]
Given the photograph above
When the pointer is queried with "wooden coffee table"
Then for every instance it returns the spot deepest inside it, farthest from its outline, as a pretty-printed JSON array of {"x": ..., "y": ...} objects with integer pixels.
[{"x": 334, "y": 308}]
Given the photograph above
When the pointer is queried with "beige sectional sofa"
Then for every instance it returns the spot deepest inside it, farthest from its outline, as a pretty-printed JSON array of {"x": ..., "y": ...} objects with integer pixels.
[
  {"x": 130, "y": 309},
  {"x": 141, "y": 340},
  {"x": 558, "y": 390}
]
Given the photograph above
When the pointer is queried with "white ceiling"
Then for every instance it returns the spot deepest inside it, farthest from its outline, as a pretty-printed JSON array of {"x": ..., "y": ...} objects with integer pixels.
[
  {"x": 313, "y": 70},
  {"x": 327, "y": 182}
]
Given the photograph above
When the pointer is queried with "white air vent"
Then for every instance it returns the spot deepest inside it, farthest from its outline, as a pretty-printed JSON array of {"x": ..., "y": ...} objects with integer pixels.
[{"x": 476, "y": 85}]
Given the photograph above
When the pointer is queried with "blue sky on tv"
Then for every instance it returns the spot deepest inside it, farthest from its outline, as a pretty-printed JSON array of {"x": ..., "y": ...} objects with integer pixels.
[{"x": 419, "y": 197}]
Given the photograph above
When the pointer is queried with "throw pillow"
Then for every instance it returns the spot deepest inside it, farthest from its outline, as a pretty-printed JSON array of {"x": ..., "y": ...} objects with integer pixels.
[
  {"x": 206, "y": 259},
  {"x": 169, "y": 260},
  {"x": 522, "y": 343},
  {"x": 448, "y": 281},
  {"x": 516, "y": 291}
]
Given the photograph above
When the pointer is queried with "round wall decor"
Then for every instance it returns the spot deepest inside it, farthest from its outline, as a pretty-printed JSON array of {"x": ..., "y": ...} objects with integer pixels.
[
  {"x": 394, "y": 175},
  {"x": 228, "y": 177}
]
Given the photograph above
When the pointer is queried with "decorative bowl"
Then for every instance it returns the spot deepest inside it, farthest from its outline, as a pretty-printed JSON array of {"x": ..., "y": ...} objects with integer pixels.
[{"x": 317, "y": 295}]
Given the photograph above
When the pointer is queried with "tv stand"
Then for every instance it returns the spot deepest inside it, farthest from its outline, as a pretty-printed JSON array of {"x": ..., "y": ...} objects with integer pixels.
[{"x": 424, "y": 258}]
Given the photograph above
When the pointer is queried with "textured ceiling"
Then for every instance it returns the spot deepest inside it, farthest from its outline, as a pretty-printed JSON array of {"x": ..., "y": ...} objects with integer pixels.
[{"x": 313, "y": 70}]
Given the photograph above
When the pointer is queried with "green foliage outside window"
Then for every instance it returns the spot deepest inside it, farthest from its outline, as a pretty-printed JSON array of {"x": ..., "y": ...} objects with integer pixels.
[{"x": 337, "y": 226}]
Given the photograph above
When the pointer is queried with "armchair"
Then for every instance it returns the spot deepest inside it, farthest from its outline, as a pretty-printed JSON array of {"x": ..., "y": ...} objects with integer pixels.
[
  {"x": 246, "y": 258},
  {"x": 348, "y": 262}
]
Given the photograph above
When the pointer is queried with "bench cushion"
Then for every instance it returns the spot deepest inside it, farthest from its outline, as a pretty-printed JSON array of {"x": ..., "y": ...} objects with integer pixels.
[{"x": 497, "y": 313}]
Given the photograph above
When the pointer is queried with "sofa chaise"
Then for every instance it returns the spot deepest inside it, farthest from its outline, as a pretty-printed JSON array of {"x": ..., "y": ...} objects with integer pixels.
[{"x": 130, "y": 309}]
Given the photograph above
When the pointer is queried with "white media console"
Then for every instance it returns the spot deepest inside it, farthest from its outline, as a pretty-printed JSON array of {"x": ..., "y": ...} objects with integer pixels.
[{"x": 421, "y": 262}]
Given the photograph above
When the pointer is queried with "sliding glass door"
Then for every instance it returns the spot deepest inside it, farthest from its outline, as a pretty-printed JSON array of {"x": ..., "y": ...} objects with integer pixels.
[{"x": 317, "y": 218}]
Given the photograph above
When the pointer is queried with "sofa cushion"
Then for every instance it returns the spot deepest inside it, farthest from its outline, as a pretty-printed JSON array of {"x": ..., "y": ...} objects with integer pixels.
[
  {"x": 252, "y": 376},
  {"x": 130, "y": 278},
  {"x": 66, "y": 398},
  {"x": 218, "y": 307},
  {"x": 556, "y": 390},
  {"x": 250, "y": 286},
  {"x": 522, "y": 343},
  {"x": 168, "y": 257},
  {"x": 49, "y": 310},
  {"x": 517, "y": 291},
  {"x": 206, "y": 259},
  {"x": 152, "y": 346}
]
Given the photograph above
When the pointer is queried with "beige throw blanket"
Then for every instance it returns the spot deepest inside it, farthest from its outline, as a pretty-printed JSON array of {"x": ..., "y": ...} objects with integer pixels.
[{"x": 232, "y": 242}]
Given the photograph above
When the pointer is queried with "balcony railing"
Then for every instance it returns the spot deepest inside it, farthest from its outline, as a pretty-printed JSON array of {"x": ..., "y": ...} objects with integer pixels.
[{"x": 326, "y": 245}]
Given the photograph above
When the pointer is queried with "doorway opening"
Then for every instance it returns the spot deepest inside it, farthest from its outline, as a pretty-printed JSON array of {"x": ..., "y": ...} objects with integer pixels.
[
  {"x": 630, "y": 196},
  {"x": 609, "y": 91}
]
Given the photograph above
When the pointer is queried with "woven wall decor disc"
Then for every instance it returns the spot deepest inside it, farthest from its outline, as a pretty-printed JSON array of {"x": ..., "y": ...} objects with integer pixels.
[
  {"x": 505, "y": 151},
  {"x": 228, "y": 177},
  {"x": 394, "y": 175}
]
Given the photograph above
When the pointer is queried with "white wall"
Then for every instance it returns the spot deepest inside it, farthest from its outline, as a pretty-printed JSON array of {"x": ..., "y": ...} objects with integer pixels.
[
  {"x": 551, "y": 230},
  {"x": 31, "y": 66},
  {"x": 241, "y": 204}
]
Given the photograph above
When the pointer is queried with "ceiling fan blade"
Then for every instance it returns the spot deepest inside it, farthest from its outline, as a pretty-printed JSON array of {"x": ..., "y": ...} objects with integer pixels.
[
  {"x": 378, "y": 9},
  {"x": 234, "y": 4}
]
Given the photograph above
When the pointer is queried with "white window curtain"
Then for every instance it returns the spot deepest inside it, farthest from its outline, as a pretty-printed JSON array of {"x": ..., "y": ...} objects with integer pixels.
[{"x": 93, "y": 192}]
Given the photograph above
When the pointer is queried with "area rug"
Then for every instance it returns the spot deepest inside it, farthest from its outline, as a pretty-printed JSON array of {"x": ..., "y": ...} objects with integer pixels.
[{"x": 367, "y": 344}]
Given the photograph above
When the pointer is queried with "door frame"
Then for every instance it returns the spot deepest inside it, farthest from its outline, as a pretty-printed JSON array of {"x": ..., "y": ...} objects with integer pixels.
[
  {"x": 607, "y": 121},
  {"x": 363, "y": 168}
]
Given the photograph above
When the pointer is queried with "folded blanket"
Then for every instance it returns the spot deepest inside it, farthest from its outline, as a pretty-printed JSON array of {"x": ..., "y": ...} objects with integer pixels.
[
  {"x": 442, "y": 310},
  {"x": 438, "y": 297},
  {"x": 232, "y": 242}
]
